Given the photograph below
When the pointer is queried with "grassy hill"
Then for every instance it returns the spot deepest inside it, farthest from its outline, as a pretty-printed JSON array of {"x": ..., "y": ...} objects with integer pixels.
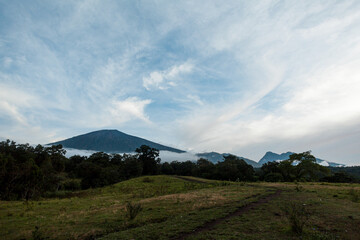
[{"x": 187, "y": 208}]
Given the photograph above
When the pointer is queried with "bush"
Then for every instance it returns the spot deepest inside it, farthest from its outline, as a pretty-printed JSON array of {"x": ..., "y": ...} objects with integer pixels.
[
  {"x": 297, "y": 215},
  {"x": 132, "y": 210}
]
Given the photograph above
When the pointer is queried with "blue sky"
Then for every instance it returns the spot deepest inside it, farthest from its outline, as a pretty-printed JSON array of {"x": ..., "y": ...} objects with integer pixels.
[{"x": 243, "y": 77}]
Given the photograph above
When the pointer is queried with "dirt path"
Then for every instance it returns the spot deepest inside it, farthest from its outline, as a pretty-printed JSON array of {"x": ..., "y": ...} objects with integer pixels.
[
  {"x": 189, "y": 179},
  {"x": 209, "y": 225}
]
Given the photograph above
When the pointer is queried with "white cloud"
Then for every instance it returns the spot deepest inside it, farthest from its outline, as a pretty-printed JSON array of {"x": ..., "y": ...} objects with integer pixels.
[
  {"x": 165, "y": 79},
  {"x": 128, "y": 109},
  {"x": 154, "y": 80},
  {"x": 71, "y": 152},
  {"x": 167, "y": 156}
]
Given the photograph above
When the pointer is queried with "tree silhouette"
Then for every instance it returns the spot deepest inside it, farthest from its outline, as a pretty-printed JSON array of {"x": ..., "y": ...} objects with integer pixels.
[{"x": 149, "y": 157}]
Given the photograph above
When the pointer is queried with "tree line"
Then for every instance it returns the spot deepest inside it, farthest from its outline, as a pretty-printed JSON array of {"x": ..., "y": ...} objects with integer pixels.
[{"x": 28, "y": 172}]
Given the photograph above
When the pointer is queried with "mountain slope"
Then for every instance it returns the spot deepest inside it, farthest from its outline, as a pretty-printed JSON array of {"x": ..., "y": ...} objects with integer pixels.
[
  {"x": 215, "y": 157},
  {"x": 110, "y": 141},
  {"x": 272, "y": 157}
]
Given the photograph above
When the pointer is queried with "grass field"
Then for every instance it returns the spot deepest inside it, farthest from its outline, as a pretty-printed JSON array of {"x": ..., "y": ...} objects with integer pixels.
[{"x": 189, "y": 208}]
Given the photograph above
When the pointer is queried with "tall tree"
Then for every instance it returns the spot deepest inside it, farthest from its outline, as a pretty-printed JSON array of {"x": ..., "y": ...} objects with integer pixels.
[
  {"x": 149, "y": 157},
  {"x": 234, "y": 168}
]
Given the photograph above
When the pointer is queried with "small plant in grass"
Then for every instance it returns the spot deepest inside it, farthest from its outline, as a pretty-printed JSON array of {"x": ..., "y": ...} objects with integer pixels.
[
  {"x": 222, "y": 183},
  {"x": 29, "y": 206},
  {"x": 132, "y": 210},
  {"x": 297, "y": 215},
  {"x": 239, "y": 182},
  {"x": 37, "y": 234},
  {"x": 319, "y": 236},
  {"x": 299, "y": 188},
  {"x": 189, "y": 185},
  {"x": 354, "y": 195},
  {"x": 161, "y": 190}
]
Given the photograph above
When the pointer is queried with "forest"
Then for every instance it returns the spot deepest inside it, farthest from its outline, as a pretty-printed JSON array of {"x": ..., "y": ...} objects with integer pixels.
[{"x": 28, "y": 172}]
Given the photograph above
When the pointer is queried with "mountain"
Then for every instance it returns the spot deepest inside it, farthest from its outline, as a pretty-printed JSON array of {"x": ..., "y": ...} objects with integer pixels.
[
  {"x": 110, "y": 141},
  {"x": 215, "y": 157},
  {"x": 272, "y": 157}
]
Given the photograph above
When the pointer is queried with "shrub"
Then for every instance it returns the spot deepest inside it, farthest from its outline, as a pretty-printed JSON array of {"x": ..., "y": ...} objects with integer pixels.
[
  {"x": 297, "y": 215},
  {"x": 132, "y": 210}
]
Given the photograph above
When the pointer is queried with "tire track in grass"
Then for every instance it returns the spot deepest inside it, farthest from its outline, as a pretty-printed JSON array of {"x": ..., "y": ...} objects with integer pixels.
[
  {"x": 189, "y": 179},
  {"x": 241, "y": 210}
]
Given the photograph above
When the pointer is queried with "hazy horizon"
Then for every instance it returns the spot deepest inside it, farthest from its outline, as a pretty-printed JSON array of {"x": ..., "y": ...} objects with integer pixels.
[{"x": 237, "y": 76}]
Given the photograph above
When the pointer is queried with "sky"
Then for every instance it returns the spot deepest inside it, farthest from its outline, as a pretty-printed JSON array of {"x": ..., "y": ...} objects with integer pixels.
[{"x": 243, "y": 77}]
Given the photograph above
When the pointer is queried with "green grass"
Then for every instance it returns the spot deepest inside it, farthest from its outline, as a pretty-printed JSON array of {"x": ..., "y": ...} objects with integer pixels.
[
  {"x": 100, "y": 211},
  {"x": 329, "y": 217},
  {"x": 172, "y": 206}
]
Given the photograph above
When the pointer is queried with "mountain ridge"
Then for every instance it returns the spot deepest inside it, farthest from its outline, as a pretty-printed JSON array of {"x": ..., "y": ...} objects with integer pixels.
[
  {"x": 272, "y": 157},
  {"x": 215, "y": 157},
  {"x": 111, "y": 141},
  {"x": 114, "y": 141}
]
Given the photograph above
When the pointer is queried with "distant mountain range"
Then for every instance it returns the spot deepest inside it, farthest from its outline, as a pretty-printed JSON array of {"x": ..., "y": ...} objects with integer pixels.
[
  {"x": 110, "y": 141},
  {"x": 272, "y": 157},
  {"x": 215, "y": 157},
  {"x": 114, "y": 141}
]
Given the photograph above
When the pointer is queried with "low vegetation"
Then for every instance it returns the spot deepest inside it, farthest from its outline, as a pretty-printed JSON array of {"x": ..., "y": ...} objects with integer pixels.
[
  {"x": 173, "y": 207},
  {"x": 297, "y": 214},
  {"x": 28, "y": 172},
  {"x": 48, "y": 196},
  {"x": 132, "y": 210}
]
